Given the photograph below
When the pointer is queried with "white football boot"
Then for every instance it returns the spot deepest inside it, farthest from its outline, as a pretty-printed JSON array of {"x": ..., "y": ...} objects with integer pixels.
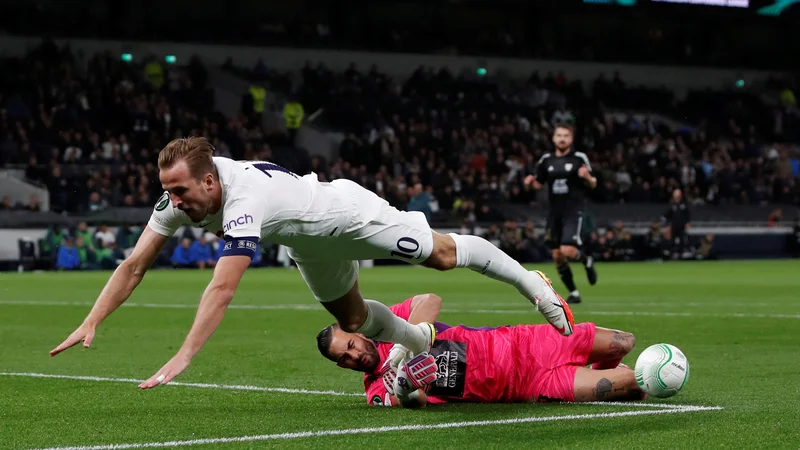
[{"x": 553, "y": 307}]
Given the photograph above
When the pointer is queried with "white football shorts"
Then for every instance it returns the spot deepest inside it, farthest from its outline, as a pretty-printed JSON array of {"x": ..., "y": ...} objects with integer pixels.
[{"x": 376, "y": 230}]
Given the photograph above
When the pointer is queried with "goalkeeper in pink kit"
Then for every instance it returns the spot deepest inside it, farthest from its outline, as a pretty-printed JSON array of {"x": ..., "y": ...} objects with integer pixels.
[{"x": 507, "y": 364}]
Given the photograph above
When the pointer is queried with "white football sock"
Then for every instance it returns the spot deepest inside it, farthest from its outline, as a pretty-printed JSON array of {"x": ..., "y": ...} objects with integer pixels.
[
  {"x": 481, "y": 256},
  {"x": 382, "y": 325},
  {"x": 575, "y": 293}
]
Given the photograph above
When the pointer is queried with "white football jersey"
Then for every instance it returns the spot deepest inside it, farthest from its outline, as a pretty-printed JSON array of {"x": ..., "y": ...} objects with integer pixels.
[{"x": 263, "y": 201}]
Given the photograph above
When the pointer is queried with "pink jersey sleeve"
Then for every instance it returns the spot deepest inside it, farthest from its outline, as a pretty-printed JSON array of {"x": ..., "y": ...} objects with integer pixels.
[
  {"x": 377, "y": 395},
  {"x": 402, "y": 310}
]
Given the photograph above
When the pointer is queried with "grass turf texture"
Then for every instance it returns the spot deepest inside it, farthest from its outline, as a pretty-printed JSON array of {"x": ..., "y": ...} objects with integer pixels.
[{"x": 737, "y": 322}]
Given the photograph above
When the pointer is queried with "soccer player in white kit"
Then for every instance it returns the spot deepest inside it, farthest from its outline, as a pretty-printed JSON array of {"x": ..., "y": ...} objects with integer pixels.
[{"x": 328, "y": 228}]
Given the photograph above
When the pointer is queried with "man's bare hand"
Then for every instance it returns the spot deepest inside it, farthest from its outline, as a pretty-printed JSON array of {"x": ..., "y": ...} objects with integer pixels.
[
  {"x": 84, "y": 333},
  {"x": 583, "y": 172},
  {"x": 172, "y": 369},
  {"x": 531, "y": 182}
]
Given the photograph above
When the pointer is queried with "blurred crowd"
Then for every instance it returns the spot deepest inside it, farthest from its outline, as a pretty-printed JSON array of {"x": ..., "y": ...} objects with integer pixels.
[
  {"x": 462, "y": 144},
  {"x": 450, "y": 146},
  {"x": 102, "y": 247},
  {"x": 89, "y": 127},
  {"x": 83, "y": 248}
]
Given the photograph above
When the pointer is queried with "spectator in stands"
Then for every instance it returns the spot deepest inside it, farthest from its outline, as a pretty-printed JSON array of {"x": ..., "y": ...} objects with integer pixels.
[
  {"x": 619, "y": 228},
  {"x": 420, "y": 201},
  {"x": 33, "y": 172},
  {"x": 108, "y": 256},
  {"x": 511, "y": 240},
  {"x": 200, "y": 253},
  {"x": 258, "y": 257},
  {"x": 218, "y": 249},
  {"x": 82, "y": 231},
  {"x": 127, "y": 236},
  {"x": 493, "y": 235},
  {"x": 86, "y": 253},
  {"x": 775, "y": 217},
  {"x": 181, "y": 257},
  {"x": 96, "y": 203},
  {"x": 487, "y": 214},
  {"x": 68, "y": 257},
  {"x": 601, "y": 251},
  {"x": 293, "y": 114},
  {"x": 105, "y": 236},
  {"x": 624, "y": 249},
  {"x": 6, "y": 205},
  {"x": 654, "y": 243},
  {"x": 533, "y": 249},
  {"x": 33, "y": 204},
  {"x": 48, "y": 246},
  {"x": 705, "y": 250}
]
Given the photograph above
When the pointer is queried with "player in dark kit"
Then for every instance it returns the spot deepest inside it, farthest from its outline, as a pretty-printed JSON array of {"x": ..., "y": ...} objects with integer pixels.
[{"x": 568, "y": 176}]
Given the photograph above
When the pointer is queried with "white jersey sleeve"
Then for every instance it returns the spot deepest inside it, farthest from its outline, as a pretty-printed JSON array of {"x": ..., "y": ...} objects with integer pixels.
[
  {"x": 243, "y": 212},
  {"x": 166, "y": 219}
]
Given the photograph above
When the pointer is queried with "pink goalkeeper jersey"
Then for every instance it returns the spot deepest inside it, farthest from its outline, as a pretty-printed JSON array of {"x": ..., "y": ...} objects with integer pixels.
[{"x": 474, "y": 364}]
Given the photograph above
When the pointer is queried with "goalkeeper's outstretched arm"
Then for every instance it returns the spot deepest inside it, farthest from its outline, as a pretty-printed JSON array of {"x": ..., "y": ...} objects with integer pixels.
[{"x": 425, "y": 308}]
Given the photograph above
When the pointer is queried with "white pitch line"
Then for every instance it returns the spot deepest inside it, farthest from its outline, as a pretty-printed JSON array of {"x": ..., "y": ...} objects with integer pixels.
[
  {"x": 234, "y": 387},
  {"x": 447, "y": 310},
  {"x": 160, "y": 305},
  {"x": 388, "y": 429}
]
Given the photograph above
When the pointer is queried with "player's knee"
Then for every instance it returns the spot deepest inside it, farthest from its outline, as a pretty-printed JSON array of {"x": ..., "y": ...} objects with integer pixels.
[
  {"x": 559, "y": 258},
  {"x": 568, "y": 252},
  {"x": 349, "y": 320},
  {"x": 350, "y": 324},
  {"x": 443, "y": 256}
]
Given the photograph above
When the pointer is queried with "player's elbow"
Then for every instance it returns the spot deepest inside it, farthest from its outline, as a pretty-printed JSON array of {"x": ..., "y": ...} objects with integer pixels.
[
  {"x": 432, "y": 300},
  {"x": 133, "y": 267},
  {"x": 628, "y": 342}
]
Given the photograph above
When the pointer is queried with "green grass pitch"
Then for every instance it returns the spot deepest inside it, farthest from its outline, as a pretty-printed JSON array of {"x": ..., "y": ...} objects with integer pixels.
[{"x": 737, "y": 322}]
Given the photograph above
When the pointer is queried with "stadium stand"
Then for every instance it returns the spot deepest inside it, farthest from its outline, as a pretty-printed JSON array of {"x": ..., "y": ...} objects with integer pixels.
[{"x": 85, "y": 129}]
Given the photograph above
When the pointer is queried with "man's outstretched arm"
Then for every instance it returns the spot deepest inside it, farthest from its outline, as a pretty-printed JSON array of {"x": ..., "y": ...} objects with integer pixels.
[
  {"x": 118, "y": 288},
  {"x": 216, "y": 298},
  {"x": 425, "y": 308}
]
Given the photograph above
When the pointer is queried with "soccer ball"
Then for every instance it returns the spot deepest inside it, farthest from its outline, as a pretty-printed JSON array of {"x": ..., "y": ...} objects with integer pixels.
[{"x": 662, "y": 370}]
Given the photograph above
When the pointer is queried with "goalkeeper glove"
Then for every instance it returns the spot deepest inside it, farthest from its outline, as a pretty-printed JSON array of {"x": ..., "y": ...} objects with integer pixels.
[
  {"x": 397, "y": 354},
  {"x": 388, "y": 375},
  {"x": 417, "y": 374}
]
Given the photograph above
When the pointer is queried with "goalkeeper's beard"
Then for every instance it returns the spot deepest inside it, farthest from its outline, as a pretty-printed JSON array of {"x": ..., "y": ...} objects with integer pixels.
[{"x": 374, "y": 357}]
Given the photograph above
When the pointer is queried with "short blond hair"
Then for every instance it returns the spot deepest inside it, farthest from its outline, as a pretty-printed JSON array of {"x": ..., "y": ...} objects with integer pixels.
[{"x": 195, "y": 151}]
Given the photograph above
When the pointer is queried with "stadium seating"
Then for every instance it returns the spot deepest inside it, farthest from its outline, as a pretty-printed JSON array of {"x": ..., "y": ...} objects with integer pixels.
[{"x": 453, "y": 147}]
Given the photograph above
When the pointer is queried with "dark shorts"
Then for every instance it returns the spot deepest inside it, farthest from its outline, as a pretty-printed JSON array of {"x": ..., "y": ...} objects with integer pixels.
[{"x": 564, "y": 228}]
